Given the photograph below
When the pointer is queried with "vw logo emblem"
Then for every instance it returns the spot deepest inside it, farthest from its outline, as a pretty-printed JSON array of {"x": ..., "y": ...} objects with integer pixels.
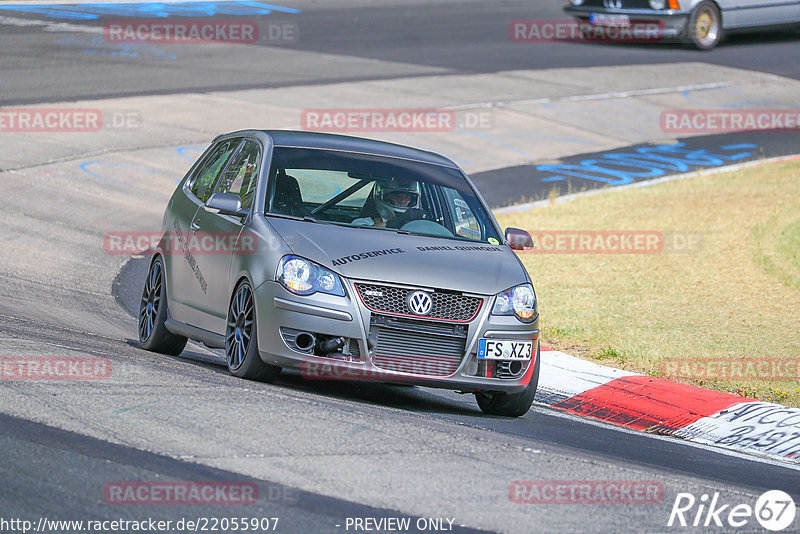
[
  {"x": 613, "y": 4},
  {"x": 419, "y": 302}
]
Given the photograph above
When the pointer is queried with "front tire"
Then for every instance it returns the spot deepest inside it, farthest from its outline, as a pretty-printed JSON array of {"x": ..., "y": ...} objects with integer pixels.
[
  {"x": 704, "y": 29},
  {"x": 153, "y": 334},
  {"x": 511, "y": 404},
  {"x": 241, "y": 339}
]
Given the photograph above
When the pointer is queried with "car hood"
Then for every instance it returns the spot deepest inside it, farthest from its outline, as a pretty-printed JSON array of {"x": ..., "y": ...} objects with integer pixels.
[{"x": 376, "y": 255}]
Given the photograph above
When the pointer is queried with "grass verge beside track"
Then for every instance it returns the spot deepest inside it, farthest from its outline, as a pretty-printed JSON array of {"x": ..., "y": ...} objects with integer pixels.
[{"x": 688, "y": 315}]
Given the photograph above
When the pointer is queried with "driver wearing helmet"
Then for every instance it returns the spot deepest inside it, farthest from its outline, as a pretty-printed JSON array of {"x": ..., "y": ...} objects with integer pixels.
[{"x": 397, "y": 203}]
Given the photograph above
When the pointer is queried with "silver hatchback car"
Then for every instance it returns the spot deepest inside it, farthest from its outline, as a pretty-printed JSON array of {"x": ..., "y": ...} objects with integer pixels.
[{"x": 344, "y": 258}]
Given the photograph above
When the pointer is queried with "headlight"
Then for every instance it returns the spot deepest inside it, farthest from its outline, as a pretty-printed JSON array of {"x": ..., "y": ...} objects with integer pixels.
[
  {"x": 519, "y": 301},
  {"x": 576, "y": 2},
  {"x": 658, "y": 4},
  {"x": 304, "y": 277}
]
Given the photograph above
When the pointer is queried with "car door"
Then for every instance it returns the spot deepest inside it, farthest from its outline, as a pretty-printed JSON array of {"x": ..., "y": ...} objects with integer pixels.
[
  {"x": 185, "y": 279},
  {"x": 764, "y": 12},
  {"x": 217, "y": 237}
]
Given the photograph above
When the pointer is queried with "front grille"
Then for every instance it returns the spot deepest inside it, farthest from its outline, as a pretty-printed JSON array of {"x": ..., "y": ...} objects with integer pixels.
[
  {"x": 354, "y": 349},
  {"x": 416, "y": 347},
  {"x": 447, "y": 306}
]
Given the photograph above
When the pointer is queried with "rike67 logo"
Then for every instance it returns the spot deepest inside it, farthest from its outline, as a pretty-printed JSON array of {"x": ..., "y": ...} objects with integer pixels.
[{"x": 774, "y": 510}]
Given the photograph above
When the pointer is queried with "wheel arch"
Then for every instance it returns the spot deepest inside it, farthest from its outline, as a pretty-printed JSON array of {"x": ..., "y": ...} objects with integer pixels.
[
  {"x": 158, "y": 253},
  {"x": 694, "y": 3},
  {"x": 244, "y": 276}
]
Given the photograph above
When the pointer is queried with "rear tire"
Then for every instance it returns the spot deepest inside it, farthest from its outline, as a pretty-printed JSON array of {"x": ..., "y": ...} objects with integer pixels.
[
  {"x": 241, "y": 338},
  {"x": 704, "y": 28},
  {"x": 511, "y": 404},
  {"x": 153, "y": 312}
]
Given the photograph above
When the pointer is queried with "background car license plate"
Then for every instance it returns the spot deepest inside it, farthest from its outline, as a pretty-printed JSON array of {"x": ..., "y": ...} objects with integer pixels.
[
  {"x": 503, "y": 349},
  {"x": 618, "y": 21}
]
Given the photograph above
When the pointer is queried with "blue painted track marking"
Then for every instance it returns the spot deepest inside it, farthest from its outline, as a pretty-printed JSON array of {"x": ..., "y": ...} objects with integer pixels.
[
  {"x": 651, "y": 162},
  {"x": 741, "y": 104},
  {"x": 738, "y": 147},
  {"x": 103, "y": 48},
  {"x": 84, "y": 167},
  {"x": 93, "y": 11},
  {"x": 182, "y": 150}
]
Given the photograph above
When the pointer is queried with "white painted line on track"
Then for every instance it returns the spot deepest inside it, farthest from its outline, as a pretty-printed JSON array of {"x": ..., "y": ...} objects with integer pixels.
[
  {"x": 597, "y": 96},
  {"x": 78, "y": 2},
  {"x": 50, "y": 26},
  {"x": 750, "y": 457},
  {"x": 737, "y": 424}
]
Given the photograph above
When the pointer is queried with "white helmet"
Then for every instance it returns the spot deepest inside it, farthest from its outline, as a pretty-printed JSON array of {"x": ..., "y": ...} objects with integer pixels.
[{"x": 394, "y": 196}]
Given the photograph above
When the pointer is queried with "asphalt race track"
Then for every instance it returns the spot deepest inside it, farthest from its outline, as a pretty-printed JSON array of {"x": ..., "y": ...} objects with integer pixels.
[
  {"x": 342, "y": 40},
  {"x": 321, "y": 453},
  {"x": 582, "y": 173},
  {"x": 32, "y": 492}
]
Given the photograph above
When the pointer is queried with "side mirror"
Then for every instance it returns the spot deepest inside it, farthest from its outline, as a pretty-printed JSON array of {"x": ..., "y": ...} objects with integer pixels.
[
  {"x": 519, "y": 239},
  {"x": 226, "y": 204}
]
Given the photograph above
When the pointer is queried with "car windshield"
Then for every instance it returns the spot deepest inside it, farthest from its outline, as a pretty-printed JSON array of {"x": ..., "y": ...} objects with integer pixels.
[{"x": 376, "y": 192}]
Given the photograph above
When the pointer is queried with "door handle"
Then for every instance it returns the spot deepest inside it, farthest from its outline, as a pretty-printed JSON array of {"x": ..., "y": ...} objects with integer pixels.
[{"x": 195, "y": 226}]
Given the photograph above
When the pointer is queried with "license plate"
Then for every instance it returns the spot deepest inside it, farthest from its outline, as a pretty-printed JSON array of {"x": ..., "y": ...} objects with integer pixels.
[
  {"x": 616, "y": 21},
  {"x": 503, "y": 349}
]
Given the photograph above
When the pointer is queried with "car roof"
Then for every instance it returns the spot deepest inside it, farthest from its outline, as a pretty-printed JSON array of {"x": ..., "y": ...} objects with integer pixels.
[{"x": 292, "y": 138}]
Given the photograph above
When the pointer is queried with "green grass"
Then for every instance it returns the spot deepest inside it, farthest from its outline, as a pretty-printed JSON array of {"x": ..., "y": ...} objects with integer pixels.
[
  {"x": 777, "y": 245},
  {"x": 736, "y": 298}
]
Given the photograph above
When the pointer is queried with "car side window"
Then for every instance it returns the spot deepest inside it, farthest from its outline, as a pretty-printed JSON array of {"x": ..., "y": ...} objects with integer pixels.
[
  {"x": 207, "y": 175},
  {"x": 242, "y": 174}
]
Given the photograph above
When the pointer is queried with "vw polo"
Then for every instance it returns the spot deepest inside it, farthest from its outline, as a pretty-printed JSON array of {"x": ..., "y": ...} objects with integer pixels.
[{"x": 379, "y": 261}]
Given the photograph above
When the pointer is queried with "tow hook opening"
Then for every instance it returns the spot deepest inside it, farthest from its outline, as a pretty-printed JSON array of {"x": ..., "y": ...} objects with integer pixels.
[{"x": 332, "y": 344}]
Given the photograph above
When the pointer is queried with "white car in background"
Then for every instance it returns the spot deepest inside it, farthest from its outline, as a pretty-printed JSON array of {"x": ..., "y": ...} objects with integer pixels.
[{"x": 700, "y": 22}]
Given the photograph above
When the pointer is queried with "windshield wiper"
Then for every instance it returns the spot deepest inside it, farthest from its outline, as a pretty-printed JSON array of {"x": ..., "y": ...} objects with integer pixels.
[
  {"x": 395, "y": 230},
  {"x": 306, "y": 218}
]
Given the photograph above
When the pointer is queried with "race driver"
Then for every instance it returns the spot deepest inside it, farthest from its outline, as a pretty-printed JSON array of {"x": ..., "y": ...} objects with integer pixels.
[{"x": 397, "y": 202}]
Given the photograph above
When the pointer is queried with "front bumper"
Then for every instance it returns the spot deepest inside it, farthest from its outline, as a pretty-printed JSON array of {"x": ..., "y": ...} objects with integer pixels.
[
  {"x": 672, "y": 22},
  {"x": 381, "y": 347}
]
